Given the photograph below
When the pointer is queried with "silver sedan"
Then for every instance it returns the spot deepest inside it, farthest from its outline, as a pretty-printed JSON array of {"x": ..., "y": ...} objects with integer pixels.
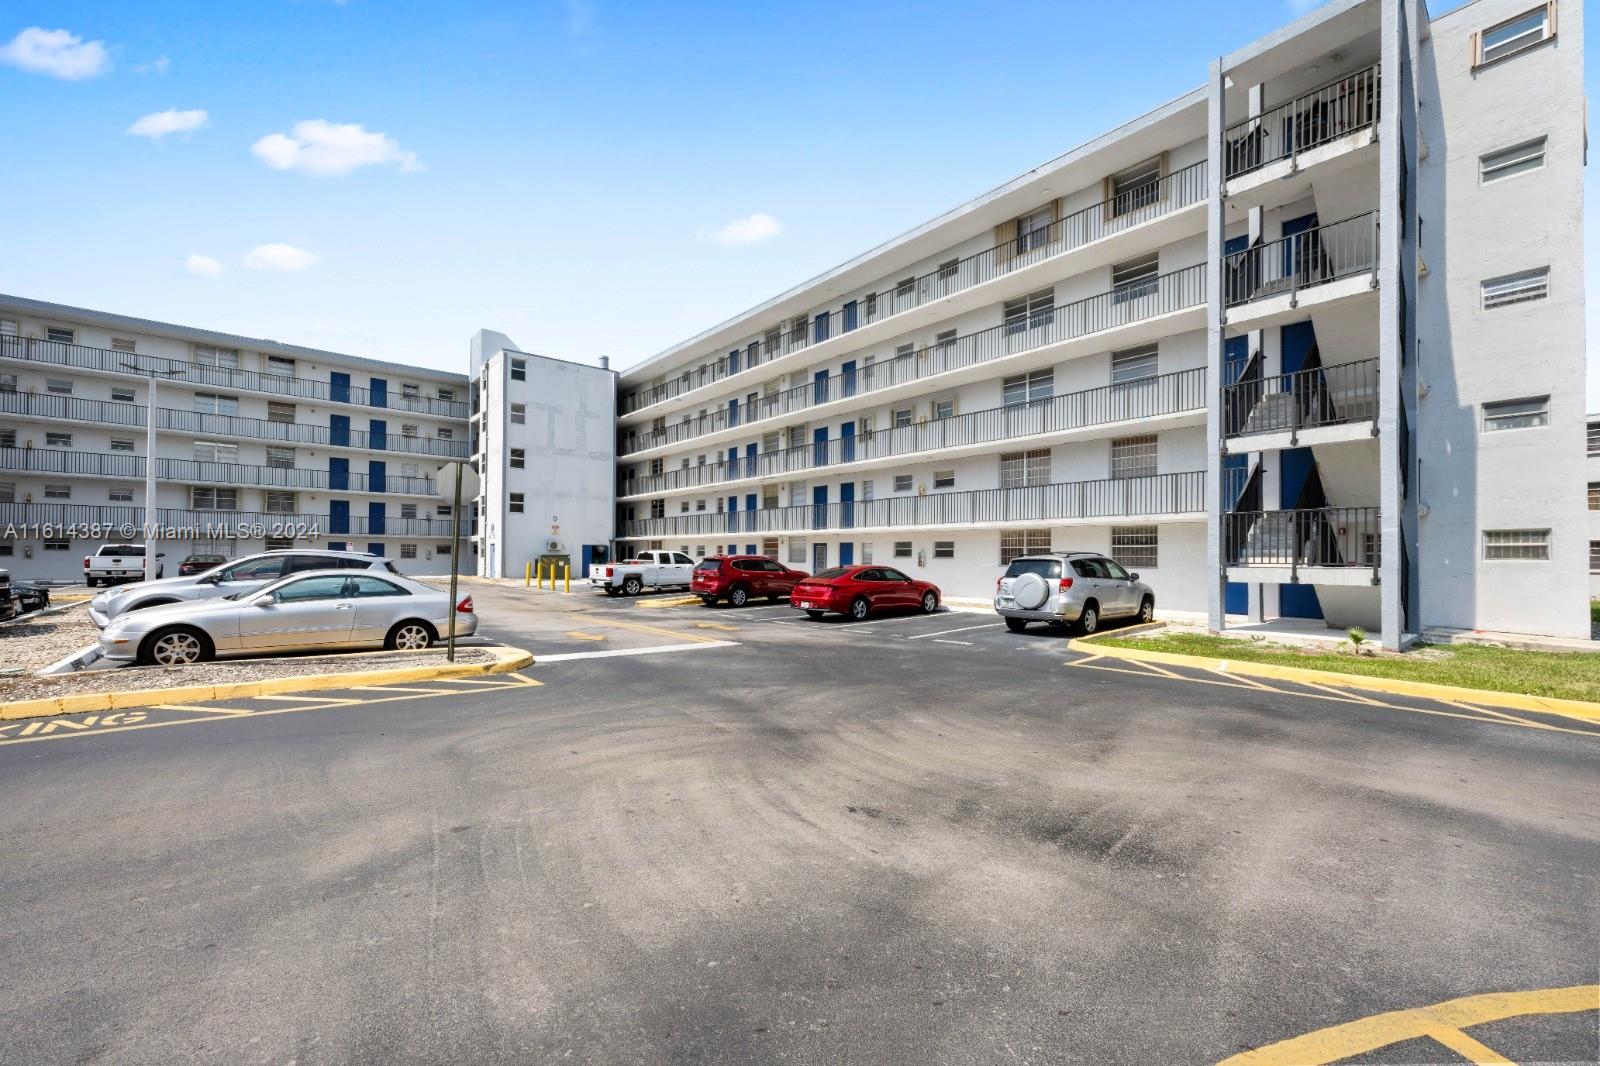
[{"x": 329, "y": 609}]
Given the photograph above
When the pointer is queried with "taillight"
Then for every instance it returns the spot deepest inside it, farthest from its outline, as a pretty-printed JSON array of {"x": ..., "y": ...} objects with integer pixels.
[
  {"x": 1066, "y": 583},
  {"x": 86, "y": 562},
  {"x": 606, "y": 571},
  {"x": 465, "y": 606},
  {"x": 997, "y": 583}
]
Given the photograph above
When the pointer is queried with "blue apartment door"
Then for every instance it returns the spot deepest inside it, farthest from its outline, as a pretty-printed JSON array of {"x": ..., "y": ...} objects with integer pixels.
[
  {"x": 819, "y": 507},
  {"x": 847, "y": 505},
  {"x": 338, "y": 516},
  {"x": 850, "y": 316},
  {"x": 733, "y": 514},
  {"x": 750, "y": 516},
  {"x": 339, "y": 430},
  {"x": 733, "y": 361},
  {"x": 1296, "y": 341},
  {"x": 1298, "y": 253},
  {"x": 339, "y": 388},
  {"x": 339, "y": 474},
  {"x": 379, "y": 396},
  {"x": 733, "y": 412},
  {"x": 375, "y": 518},
  {"x": 847, "y": 442},
  {"x": 819, "y": 327},
  {"x": 1294, "y": 471},
  {"x": 749, "y": 460},
  {"x": 375, "y": 549},
  {"x": 847, "y": 378},
  {"x": 819, "y": 387},
  {"x": 819, "y": 447},
  {"x": 1235, "y": 354},
  {"x": 733, "y": 463},
  {"x": 847, "y": 554},
  {"x": 377, "y": 476},
  {"x": 377, "y": 433},
  {"x": 819, "y": 558}
]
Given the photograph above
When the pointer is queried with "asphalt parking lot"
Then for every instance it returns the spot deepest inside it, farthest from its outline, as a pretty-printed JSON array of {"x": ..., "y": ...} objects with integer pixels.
[{"x": 707, "y": 835}]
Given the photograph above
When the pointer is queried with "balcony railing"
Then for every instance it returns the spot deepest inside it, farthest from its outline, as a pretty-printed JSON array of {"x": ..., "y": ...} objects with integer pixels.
[
  {"x": 1160, "y": 494},
  {"x": 1301, "y": 260},
  {"x": 1342, "y": 537},
  {"x": 74, "y": 408},
  {"x": 104, "y": 360},
  {"x": 1124, "y": 305},
  {"x": 1326, "y": 113},
  {"x": 197, "y": 471},
  {"x": 1167, "y": 394},
  {"x": 94, "y": 521},
  {"x": 1130, "y": 207},
  {"x": 1321, "y": 396}
]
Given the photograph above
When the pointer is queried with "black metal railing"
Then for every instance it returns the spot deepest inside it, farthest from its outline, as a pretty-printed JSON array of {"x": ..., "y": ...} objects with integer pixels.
[
  {"x": 1130, "y": 207},
  {"x": 105, "y": 360},
  {"x": 1127, "y": 304},
  {"x": 1312, "y": 537},
  {"x": 73, "y": 408},
  {"x": 1156, "y": 495},
  {"x": 1322, "y": 396},
  {"x": 1301, "y": 260},
  {"x": 105, "y": 522},
  {"x": 1166, "y": 394},
  {"x": 200, "y": 471},
  {"x": 1330, "y": 111}
]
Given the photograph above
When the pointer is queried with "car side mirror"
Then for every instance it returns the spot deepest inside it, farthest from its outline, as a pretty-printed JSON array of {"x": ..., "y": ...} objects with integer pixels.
[
  {"x": 1133, "y": 577},
  {"x": 264, "y": 601},
  {"x": 161, "y": 555}
]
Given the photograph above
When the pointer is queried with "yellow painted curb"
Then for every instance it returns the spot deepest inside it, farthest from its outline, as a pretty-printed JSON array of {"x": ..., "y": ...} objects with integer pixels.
[
  {"x": 1483, "y": 697},
  {"x": 676, "y": 601},
  {"x": 506, "y": 660}
]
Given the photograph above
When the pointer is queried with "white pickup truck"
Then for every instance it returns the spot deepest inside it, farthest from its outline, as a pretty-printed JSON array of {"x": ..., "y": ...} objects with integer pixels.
[
  {"x": 117, "y": 562},
  {"x": 648, "y": 569}
]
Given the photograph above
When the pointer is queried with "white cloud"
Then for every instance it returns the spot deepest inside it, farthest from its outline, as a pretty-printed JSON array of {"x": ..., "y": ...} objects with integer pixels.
[
  {"x": 158, "y": 124},
  {"x": 281, "y": 257},
  {"x": 202, "y": 266},
  {"x": 752, "y": 229},
  {"x": 158, "y": 65},
  {"x": 317, "y": 146},
  {"x": 57, "y": 53}
]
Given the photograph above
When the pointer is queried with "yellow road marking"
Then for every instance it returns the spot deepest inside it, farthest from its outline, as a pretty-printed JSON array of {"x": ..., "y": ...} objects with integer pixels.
[
  {"x": 398, "y": 688},
  {"x": 674, "y": 634},
  {"x": 716, "y": 625},
  {"x": 493, "y": 682},
  {"x": 307, "y": 699},
  {"x": 1529, "y": 722},
  {"x": 207, "y": 708},
  {"x": 1342, "y": 694},
  {"x": 1442, "y": 1022},
  {"x": 1232, "y": 683},
  {"x": 578, "y": 634}
]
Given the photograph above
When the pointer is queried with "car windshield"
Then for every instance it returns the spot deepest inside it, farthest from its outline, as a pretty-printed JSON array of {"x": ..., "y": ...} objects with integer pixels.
[
  {"x": 1042, "y": 567},
  {"x": 838, "y": 571},
  {"x": 710, "y": 564}
]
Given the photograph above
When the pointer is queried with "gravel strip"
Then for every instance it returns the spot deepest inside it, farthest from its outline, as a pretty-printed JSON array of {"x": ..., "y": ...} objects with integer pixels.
[
  {"x": 135, "y": 678},
  {"x": 32, "y": 643}
]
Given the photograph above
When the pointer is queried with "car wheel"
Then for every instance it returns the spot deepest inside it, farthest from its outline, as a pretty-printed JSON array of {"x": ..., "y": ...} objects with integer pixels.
[
  {"x": 1147, "y": 610},
  {"x": 632, "y": 586},
  {"x": 91, "y": 582},
  {"x": 1016, "y": 625},
  {"x": 813, "y": 615},
  {"x": 1089, "y": 620},
  {"x": 930, "y": 603},
  {"x": 410, "y": 635},
  {"x": 738, "y": 596},
  {"x": 860, "y": 609},
  {"x": 178, "y": 646},
  {"x": 612, "y": 591},
  {"x": 709, "y": 601}
]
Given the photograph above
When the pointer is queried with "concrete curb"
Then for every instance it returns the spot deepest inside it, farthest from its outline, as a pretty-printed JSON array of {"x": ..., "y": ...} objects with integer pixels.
[
  {"x": 506, "y": 661},
  {"x": 1482, "y": 697},
  {"x": 673, "y": 601}
]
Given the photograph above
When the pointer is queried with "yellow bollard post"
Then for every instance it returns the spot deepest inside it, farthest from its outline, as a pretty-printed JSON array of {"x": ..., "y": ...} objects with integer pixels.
[
  {"x": 527, "y": 574},
  {"x": 566, "y": 578},
  {"x": 541, "y": 575}
]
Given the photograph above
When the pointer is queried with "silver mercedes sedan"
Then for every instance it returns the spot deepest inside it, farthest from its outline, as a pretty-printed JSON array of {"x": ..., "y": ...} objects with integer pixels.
[{"x": 329, "y": 609}]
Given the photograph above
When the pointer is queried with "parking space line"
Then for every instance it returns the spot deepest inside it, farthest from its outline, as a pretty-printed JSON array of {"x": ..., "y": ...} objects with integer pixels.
[
  {"x": 896, "y": 618},
  {"x": 659, "y": 649},
  {"x": 208, "y": 708},
  {"x": 650, "y": 629},
  {"x": 963, "y": 629},
  {"x": 400, "y": 688},
  {"x": 578, "y": 634},
  {"x": 1498, "y": 714},
  {"x": 963, "y": 643},
  {"x": 308, "y": 699}
]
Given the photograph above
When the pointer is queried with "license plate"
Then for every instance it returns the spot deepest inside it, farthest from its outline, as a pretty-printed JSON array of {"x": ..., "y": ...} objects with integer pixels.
[{"x": 805, "y": 605}]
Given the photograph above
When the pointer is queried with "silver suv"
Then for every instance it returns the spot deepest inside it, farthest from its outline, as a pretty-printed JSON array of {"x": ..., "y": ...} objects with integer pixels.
[{"x": 1076, "y": 588}]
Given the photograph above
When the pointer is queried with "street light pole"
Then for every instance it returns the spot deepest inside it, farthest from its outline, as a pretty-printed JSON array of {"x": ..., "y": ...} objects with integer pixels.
[{"x": 151, "y": 533}]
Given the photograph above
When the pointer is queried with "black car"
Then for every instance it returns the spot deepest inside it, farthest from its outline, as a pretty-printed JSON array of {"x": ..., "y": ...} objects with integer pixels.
[
  {"x": 199, "y": 564},
  {"x": 30, "y": 597}
]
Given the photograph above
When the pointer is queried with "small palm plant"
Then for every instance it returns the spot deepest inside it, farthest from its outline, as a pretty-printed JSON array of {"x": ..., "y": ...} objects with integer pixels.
[{"x": 1358, "y": 637}]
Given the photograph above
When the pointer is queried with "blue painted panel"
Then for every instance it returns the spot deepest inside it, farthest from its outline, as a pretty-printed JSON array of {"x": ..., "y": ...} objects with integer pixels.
[
  {"x": 1299, "y": 601},
  {"x": 377, "y": 479},
  {"x": 375, "y": 549},
  {"x": 819, "y": 507},
  {"x": 847, "y": 554},
  {"x": 375, "y": 518},
  {"x": 338, "y": 545},
  {"x": 733, "y": 514},
  {"x": 749, "y": 460},
  {"x": 1295, "y": 252},
  {"x": 1236, "y": 244},
  {"x": 850, "y": 321},
  {"x": 1236, "y": 598},
  {"x": 847, "y": 505},
  {"x": 1235, "y": 354},
  {"x": 819, "y": 387},
  {"x": 733, "y": 361},
  {"x": 379, "y": 396},
  {"x": 338, "y": 474},
  {"x": 339, "y": 430},
  {"x": 339, "y": 388},
  {"x": 819, "y": 327},
  {"x": 819, "y": 447},
  {"x": 749, "y": 549},
  {"x": 338, "y": 516},
  {"x": 733, "y": 412},
  {"x": 378, "y": 434},
  {"x": 847, "y": 374},
  {"x": 733, "y": 463},
  {"x": 750, "y": 517},
  {"x": 1294, "y": 467},
  {"x": 847, "y": 442}
]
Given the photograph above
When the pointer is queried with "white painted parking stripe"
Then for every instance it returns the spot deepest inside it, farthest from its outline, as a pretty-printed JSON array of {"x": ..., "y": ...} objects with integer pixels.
[
  {"x": 567, "y": 657},
  {"x": 947, "y": 632},
  {"x": 963, "y": 643}
]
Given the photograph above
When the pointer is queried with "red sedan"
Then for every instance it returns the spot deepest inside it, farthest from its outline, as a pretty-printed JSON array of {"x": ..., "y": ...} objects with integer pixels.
[
  {"x": 736, "y": 578},
  {"x": 857, "y": 591}
]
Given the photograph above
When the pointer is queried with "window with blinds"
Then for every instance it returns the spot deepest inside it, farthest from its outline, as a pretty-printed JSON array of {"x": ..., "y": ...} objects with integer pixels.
[
  {"x": 208, "y": 355},
  {"x": 1035, "y": 386},
  {"x": 1024, "y": 469},
  {"x": 1133, "y": 456},
  {"x": 1135, "y": 546},
  {"x": 1033, "y": 229},
  {"x": 1509, "y": 162},
  {"x": 1134, "y": 364},
  {"x": 1135, "y": 278},
  {"x": 1030, "y": 312},
  {"x": 1516, "y": 288},
  {"x": 1136, "y": 187}
]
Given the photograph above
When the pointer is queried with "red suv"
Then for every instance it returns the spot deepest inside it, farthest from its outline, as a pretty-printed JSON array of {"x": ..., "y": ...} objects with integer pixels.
[
  {"x": 857, "y": 591},
  {"x": 736, "y": 578}
]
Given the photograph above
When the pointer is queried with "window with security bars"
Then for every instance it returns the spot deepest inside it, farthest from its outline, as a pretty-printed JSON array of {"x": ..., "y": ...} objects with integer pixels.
[
  {"x": 278, "y": 501},
  {"x": 1594, "y": 438},
  {"x": 797, "y": 550},
  {"x": 1516, "y": 544},
  {"x": 408, "y": 551},
  {"x": 207, "y": 355},
  {"x": 1135, "y": 278},
  {"x": 1594, "y": 557},
  {"x": 408, "y": 510},
  {"x": 1594, "y": 495},
  {"x": 1516, "y": 414},
  {"x": 278, "y": 411},
  {"x": 1133, "y": 456},
  {"x": 1134, "y": 364},
  {"x": 280, "y": 458},
  {"x": 769, "y": 547},
  {"x": 1015, "y": 543},
  {"x": 1135, "y": 546},
  {"x": 1030, "y": 312},
  {"x": 1022, "y": 469},
  {"x": 1516, "y": 288},
  {"x": 1036, "y": 386},
  {"x": 1509, "y": 162},
  {"x": 1136, "y": 187},
  {"x": 207, "y": 498},
  {"x": 213, "y": 451}
]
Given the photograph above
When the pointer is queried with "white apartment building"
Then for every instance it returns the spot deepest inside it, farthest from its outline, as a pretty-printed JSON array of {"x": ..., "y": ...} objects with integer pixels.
[
  {"x": 1592, "y": 462},
  {"x": 1305, "y": 342},
  {"x": 543, "y": 438},
  {"x": 258, "y": 444}
]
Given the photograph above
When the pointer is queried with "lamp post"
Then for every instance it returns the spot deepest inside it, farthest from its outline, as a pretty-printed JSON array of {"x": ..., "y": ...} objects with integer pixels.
[
  {"x": 150, "y": 531},
  {"x": 453, "y": 482}
]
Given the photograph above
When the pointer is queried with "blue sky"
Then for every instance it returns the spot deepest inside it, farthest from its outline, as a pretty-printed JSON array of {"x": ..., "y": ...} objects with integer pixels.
[{"x": 566, "y": 172}]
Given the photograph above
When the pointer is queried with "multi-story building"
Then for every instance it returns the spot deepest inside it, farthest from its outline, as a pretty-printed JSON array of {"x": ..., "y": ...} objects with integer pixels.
[
  {"x": 1592, "y": 462},
  {"x": 258, "y": 444},
  {"x": 1274, "y": 345},
  {"x": 543, "y": 435}
]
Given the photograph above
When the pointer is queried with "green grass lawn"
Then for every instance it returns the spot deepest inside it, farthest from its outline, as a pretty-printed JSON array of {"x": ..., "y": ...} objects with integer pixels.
[{"x": 1568, "y": 675}]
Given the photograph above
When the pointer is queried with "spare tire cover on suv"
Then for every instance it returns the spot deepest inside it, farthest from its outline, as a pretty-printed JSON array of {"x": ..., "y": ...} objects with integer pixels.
[{"x": 1030, "y": 591}]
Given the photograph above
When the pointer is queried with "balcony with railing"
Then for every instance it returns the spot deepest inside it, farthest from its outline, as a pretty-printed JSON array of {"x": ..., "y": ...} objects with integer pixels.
[
  {"x": 1322, "y": 116},
  {"x": 1129, "y": 208},
  {"x": 1320, "y": 397},
  {"x": 1333, "y": 545},
  {"x": 1125, "y": 305},
  {"x": 1303, "y": 261},
  {"x": 1156, "y": 496},
  {"x": 106, "y": 412},
  {"x": 107, "y": 361},
  {"x": 205, "y": 472},
  {"x": 1180, "y": 392},
  {"x": 121, "y": 522}
]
